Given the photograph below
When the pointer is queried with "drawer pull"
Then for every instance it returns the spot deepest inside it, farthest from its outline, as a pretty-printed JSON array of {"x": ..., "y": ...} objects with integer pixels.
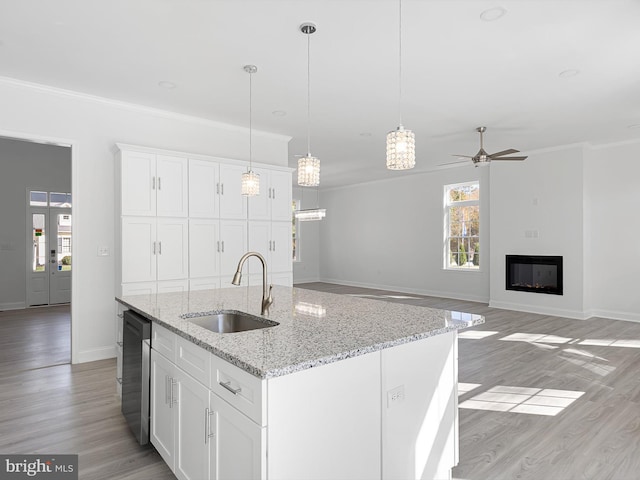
[{"x": 228, "y": 386}]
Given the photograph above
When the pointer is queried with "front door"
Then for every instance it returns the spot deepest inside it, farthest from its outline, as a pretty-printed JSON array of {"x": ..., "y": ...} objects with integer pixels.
[{"x": 49, "y": 269}]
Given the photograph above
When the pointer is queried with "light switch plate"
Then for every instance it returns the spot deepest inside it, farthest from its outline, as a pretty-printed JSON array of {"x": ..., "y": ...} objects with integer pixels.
[{"x": 103, "y": 251}]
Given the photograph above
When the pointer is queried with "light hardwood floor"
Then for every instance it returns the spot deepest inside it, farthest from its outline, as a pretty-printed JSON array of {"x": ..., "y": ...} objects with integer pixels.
[{"x": 74, "y": 408}]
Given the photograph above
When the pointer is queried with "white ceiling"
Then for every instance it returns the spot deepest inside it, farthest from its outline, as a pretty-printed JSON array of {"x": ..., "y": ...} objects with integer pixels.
[{"x": 459, "y": 71}]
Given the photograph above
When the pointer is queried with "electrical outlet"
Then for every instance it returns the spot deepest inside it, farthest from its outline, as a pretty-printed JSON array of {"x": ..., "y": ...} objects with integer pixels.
[
  {"x": 103, "y": 251},
  {"x": 395, "y": 396}
]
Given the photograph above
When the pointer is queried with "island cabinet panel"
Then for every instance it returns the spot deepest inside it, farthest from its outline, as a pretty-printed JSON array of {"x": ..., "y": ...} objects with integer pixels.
[
  {"x": 419, "y": 404},
  {"x": 161, "y": 411},
  {"x": 324, "y": 422}
]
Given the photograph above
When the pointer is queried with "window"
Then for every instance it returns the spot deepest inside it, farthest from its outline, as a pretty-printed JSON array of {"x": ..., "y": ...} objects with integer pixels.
[
  {"x": 462, "y": 226},
  {"x": 295, "y": 205},
  {"x": 49, "y": 199}
]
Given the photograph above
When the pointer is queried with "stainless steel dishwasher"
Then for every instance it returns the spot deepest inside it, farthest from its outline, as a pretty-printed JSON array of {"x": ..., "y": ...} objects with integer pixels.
[{"x": 136, "y": 351}]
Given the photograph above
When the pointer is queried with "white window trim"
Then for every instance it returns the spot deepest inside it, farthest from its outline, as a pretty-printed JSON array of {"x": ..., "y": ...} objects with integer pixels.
[{"x": 464, "y": 203}]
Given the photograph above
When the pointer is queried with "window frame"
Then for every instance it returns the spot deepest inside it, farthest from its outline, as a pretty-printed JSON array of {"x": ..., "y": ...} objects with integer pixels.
[{"x": 447, "y": 227}]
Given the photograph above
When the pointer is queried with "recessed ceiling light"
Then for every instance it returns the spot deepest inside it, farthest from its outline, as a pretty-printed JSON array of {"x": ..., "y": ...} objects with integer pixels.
[
  {"x": 568, "y": 73},
  {"x": 635, "y": 125},
  {"x": 493, "y": 14},
  {"x": 365, "y": 134},
  {"x": 278, "y": 113},
  {"x": 167, "y": 85}
]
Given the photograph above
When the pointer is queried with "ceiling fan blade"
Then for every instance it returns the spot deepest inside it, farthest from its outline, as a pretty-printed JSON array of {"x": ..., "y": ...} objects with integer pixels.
[
  {"x": 504, "y": 152},
  {"x": 452, "y": 163},
  {"x": 461, "y": 156},
  {"x": 508, "y": 158}
]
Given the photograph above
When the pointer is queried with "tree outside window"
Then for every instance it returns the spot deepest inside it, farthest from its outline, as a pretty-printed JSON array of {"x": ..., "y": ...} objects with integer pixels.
[{"x": 462, "y": 224}]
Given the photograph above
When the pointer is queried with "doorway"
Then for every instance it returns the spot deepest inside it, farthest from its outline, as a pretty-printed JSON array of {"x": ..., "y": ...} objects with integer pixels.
[{"x": 49, "y": 248}]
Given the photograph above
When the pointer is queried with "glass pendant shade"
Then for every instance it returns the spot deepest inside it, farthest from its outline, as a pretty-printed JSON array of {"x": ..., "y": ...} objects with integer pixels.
[
  {"x": 311, "y": 214},
  {"x": 401, "y": 149},
  {"x": 250, "y": 183},
  {"x": 308, "y": 171}
]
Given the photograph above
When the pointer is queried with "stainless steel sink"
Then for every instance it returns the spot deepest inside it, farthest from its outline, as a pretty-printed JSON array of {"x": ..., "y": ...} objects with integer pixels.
[{"x": 231, "y": 321}]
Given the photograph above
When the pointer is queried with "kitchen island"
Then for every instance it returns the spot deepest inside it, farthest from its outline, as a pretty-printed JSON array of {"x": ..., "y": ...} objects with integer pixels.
[{"x": 342, "y": 387}]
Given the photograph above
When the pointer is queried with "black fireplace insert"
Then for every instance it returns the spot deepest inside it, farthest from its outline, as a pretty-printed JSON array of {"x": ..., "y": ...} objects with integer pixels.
[{"x": 534, "y": 273}]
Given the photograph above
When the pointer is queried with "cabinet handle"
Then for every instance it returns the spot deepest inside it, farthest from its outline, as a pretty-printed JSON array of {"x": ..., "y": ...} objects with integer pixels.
[
  {"x": 154, "y": 248},
  {"x": 274, "y": 194},
  {"x": 222, "y": 189},
  {"x": 173, "y": 401},
  {"x": 217, "y": 188},
  {"x": 159, "y": 184},
  {"x": 222, "y": 246},
  {"x": 269, "y": 245},
  {"x": 269, "y": 192},
  {"x": 274, "y": 245},
  {"x": 228, "y": 386},
  {"x": 153, "y": 183},
  {"x": 167, "y": 399},
  {"x": 160, "y": 247},
  {"x": 218, "y": 242},
  {"x": 207, "y": 425}
]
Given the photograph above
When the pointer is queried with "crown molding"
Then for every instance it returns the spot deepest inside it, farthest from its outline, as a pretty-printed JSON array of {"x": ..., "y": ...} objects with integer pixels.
[{"x": 134, "y": 107}]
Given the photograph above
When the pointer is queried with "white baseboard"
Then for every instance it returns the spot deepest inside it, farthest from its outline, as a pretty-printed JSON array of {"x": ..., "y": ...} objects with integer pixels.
[
  {"x": 305, "y": 280},
  {"x": 616, "y": 315},
  {"x": 95, "y": 354},
  {"x": 416, "y": 291},
  {"x": 12, "y": 306},
  {"x": 542, "y": 310}
]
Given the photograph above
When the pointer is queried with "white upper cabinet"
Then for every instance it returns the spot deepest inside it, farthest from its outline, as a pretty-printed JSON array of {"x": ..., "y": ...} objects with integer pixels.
[
  {"x": 232, "y": 245},
  {"x": 204, "y": 241},
  {"x": 274, "y": 201},
  {"x": 153, "y": 185},
  {"x": 232, "y": 203},
  {"x": 172, "y": 186},
  {"x": 204, "y": 185},
  {"x": 172, "y": 248},
  {"x": 273, "y": 241}
]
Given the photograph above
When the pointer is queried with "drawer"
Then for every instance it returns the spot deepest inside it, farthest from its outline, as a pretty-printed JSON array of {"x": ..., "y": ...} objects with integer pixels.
[
  {"x": 193, "y": 359},
  {"x": 239, "y": 388},
  {"x": 163, "y": 341}
]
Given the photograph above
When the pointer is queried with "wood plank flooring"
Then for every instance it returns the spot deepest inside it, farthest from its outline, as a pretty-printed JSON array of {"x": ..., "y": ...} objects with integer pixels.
[
  {"x": 74, "y": 408},
  {"x": 49, "y": 406},
  {"x": 595, "y": 437}
]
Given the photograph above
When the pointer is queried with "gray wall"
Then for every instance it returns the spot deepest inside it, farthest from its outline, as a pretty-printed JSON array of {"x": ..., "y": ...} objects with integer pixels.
[{"x": 24, "y": 166}]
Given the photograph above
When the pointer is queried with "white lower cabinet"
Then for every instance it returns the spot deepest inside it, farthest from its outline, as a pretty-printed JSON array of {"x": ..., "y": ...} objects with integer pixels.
[{"x": 162, "y": 417}]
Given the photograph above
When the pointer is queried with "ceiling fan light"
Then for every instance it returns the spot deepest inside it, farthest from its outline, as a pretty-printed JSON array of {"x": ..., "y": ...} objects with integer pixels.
[
  {"x": 308, "y": 171},
  {"x": 401, "y": 149},
  {"x": 250, "y": 184}
]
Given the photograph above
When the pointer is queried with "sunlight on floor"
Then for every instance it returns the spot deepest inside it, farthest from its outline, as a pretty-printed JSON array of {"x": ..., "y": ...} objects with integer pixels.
[
  {"x": 466, "y": 387},
  {"x": 541, "y": 338},
  {"x": 534, "y": 401},
  {"x": 475, "y": 334}
]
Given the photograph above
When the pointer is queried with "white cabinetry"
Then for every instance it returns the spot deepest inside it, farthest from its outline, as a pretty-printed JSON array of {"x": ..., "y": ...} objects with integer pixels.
[
  {"x": 273, "y": 241},
  {"x": 198, "y": 434},
  {"x": 181, "y": 221},
  {"x": 154, "y": 249},
  {"x": 274, "y": 201},
  {"x": 153, "y": 184}
]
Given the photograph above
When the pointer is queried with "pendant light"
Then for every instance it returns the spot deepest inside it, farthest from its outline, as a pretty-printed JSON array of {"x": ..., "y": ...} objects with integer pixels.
[
  {"x": 401, "y": 143},
  {"x": 311, "y": 214},
  {"x": 308, "y": 166},
  {"x": 250, "y": 179}
]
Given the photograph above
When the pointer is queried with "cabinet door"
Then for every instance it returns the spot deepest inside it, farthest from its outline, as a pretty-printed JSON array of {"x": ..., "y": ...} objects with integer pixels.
[
  {"x": 138, "y": 244},
  {"x": 239, "y": 449},
  {"x": 172, "y": 249},
  {"x": 138, "y": 172},
  {"x": 162, "y": 417},
  {"x": 204, "y": 259},
  {"x": 203, "y": 185},
  {"x": 233, "y": 244},
  {"x": 192, "y": 449},
  {"x": 260, "y": 205},
  {"x": 232, "y": 203},
  {"x": 172, "y": 186},
  {"x": 281, "y": 196},
  {"x": 281, "y": 245},
  {"x": 259, "y": 241}
]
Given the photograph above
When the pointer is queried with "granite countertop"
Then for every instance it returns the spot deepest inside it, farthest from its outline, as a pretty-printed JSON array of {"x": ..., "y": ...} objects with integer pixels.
[{"x": 315, "y": 328}]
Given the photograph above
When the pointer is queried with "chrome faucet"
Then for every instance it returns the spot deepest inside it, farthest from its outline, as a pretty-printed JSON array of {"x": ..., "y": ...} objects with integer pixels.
[{"x": 267, "y": 299}]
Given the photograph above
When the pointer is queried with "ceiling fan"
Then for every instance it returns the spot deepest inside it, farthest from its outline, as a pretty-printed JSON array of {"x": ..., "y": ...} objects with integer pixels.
[{"x": 483, "y": 157}]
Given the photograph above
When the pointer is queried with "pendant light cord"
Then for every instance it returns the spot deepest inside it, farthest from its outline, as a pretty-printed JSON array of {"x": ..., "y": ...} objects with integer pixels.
[
  {"x": 400, "y": 61},
  {"x": 250, "y": 119},
  {"x": 309, "y": 94}
]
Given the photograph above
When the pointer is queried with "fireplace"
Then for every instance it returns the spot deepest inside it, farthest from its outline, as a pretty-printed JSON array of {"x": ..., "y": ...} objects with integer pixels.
[{"x": 534, "y": 273}]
